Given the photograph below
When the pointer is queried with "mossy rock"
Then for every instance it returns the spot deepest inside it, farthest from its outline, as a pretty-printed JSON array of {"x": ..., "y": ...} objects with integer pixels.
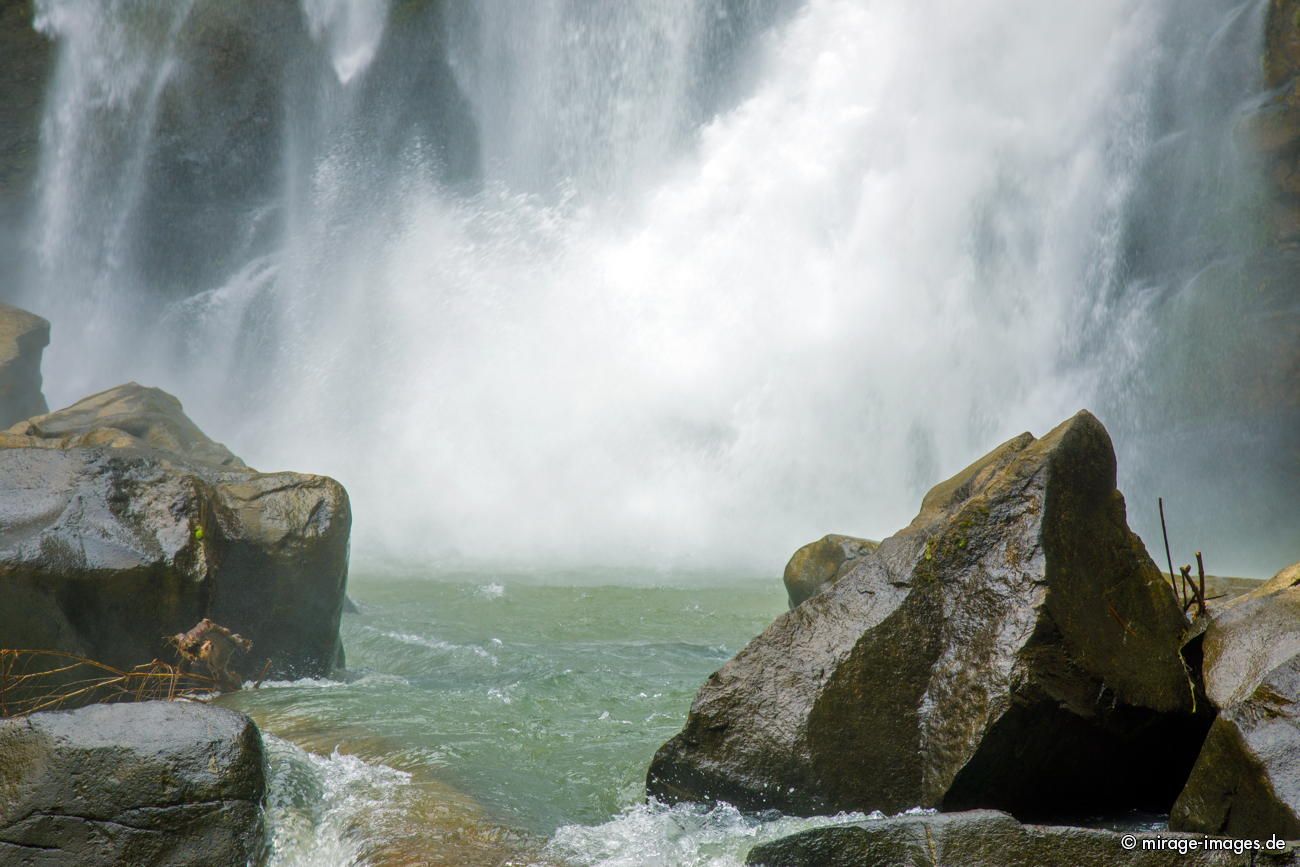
[{"x": 1014, "y": 647}]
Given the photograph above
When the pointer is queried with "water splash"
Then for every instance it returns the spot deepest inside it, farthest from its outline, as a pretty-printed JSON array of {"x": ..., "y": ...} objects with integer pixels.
[
  {"x": 683, "y": 835},
  {"x": 317, "y": 807},
  {"x": 672, "y": 283}
]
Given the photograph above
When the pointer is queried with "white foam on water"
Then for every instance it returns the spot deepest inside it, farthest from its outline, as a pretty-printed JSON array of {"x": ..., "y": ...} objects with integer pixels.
[
  {"x": 319, "y": 808},
  {"x": 302, "y": 683},
  {"x": 437, "y": 644},
  {"x": 683, "y": 835}
]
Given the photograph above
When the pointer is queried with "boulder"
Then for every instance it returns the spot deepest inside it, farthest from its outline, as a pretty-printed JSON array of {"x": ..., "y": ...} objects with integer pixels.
[
  {"x": 1014, "y": 647},
  {"x": 986, "y": 838},
  {"x": 121, "y": 523},
  {"x": 1246, "y": 780},
  {"x": 1249, "y": 636},
  {"x": 818, "y": 565},
  {"x": 23, "y": 336},
  {"x": 144, "y": 783}
]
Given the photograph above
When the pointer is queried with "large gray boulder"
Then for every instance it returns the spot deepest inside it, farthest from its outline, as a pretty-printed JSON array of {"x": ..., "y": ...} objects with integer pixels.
[
  {"x": 1250, "y": 635},
  {"x": 818, "y": 565},
  {"x": 1014, "y": 647},
  {"x": 1246, "y": 780},
  {"x": 121, "y": 523},
  {"x": 985, "y": 838},
  {"x": 131, "y": 784},
  {"x": 23, "y": 337}
]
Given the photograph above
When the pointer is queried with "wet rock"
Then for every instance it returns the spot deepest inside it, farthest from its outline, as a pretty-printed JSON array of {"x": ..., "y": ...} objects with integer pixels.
[
  {"x": 28, "y": 58},
  {"x": 23, "y": 337},
  {"x": 1246, "y": 781},
  {"x": 1251, "y": 635},
  {"x": 121, "y": 523},
  {"x": 146, "y": 783},
  {"x": 1014, "y": 647},
  {"x": 986, "y": 838},
  {"x": 818, "y": 565}
]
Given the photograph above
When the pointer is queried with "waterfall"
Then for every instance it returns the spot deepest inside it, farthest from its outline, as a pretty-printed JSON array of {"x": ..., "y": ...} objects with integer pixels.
[{"x": 672, "y": 283}]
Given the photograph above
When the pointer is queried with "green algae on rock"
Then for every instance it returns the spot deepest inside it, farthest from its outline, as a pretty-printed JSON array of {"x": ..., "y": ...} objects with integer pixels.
[{"x": 1014, "y": 647}]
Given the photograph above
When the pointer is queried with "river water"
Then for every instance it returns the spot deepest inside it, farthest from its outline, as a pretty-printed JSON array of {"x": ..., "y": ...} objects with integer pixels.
[{"x": 497, "y": 718}]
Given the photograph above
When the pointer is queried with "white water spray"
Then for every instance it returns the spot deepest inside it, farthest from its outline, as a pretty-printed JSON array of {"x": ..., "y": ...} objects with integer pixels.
[{"x": 667, "y": 320}]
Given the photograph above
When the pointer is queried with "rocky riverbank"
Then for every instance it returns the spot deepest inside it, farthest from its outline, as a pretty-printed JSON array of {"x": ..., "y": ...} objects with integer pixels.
[
  {"x": 122, "y": 523},
  {"x": 119, "y": 784},
  {"x": 1013, "y": 648}
]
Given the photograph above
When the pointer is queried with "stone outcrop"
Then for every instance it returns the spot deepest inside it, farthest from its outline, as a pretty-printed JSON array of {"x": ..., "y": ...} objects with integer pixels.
[
  {"x": 1014, "y": 647},
  {"x": 121, "y": 523},
  {"x": 1275, "y": 127},
  {"x": 146, "y": 783},
  {"x": 1246, "y": 781},
  {"x": 23, "y": 337},
  {"x": 28, "y": 58},
  {"x": 818, "y": 565},
  {"x": 985, "y": 838}
]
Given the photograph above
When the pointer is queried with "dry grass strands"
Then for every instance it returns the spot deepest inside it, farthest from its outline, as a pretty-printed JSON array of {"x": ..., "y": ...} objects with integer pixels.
[{"x": 37, "y": 680}]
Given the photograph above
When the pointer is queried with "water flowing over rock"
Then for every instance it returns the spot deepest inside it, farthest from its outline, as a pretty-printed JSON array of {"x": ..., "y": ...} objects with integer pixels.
[
  {"x": 122, "y": 523},
  {"x": 147, "y": 783},
  {"x": 985, "y": 838},
  {"x": 1246, "y": 781},
  {"x": 23, "y": 336},
  {"x": 818, "y": 565},
  {"x": 1014, "y": 647}
]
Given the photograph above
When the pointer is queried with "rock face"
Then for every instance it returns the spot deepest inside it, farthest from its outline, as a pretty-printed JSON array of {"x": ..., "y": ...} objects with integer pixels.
[
  {"x": 121, "y": 523},
  {"x": 1246, "y": 781},
  {"x": 985, "y": 838},
  {"x": 23, "y": 336},
  {"x": 1014, "y": 647},
  {"x": 27, "y": 62},
  {"x": 147, "y": 783},
  {"x": 818, "y": 565},
  {"x": 1275, "y": 127}
]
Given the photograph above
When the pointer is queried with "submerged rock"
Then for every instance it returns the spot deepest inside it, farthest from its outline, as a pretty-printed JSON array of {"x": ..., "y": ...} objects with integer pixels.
[
  {"x": 1014, "y": 647},
  {"x": 985, "y": 838},
  {"x": 23, "y": 337},
  {"x": 818, "y": 565},
  {"x": 1246, "y": 781},
  {"x": 121, "y": 523},
  {"x": 147, "y": 783}
]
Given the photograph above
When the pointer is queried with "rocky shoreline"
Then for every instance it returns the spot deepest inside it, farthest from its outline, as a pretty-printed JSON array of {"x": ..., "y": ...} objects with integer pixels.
[
  {"x": 132, "y": 542},
  {"x": 145, "y": 783},
  {"x": 1014, "y": 648}
]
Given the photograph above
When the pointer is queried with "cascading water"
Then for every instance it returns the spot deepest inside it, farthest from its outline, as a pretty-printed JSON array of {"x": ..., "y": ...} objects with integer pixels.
[{"x": 671, "y": 283}]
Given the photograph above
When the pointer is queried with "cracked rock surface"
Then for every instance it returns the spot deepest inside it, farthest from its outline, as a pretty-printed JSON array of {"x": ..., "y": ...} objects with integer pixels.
[{"x": 137, "y": 784}]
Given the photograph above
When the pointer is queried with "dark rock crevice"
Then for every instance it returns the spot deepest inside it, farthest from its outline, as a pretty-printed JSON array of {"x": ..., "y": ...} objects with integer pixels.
[{"x": 1013, "y": 647}]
